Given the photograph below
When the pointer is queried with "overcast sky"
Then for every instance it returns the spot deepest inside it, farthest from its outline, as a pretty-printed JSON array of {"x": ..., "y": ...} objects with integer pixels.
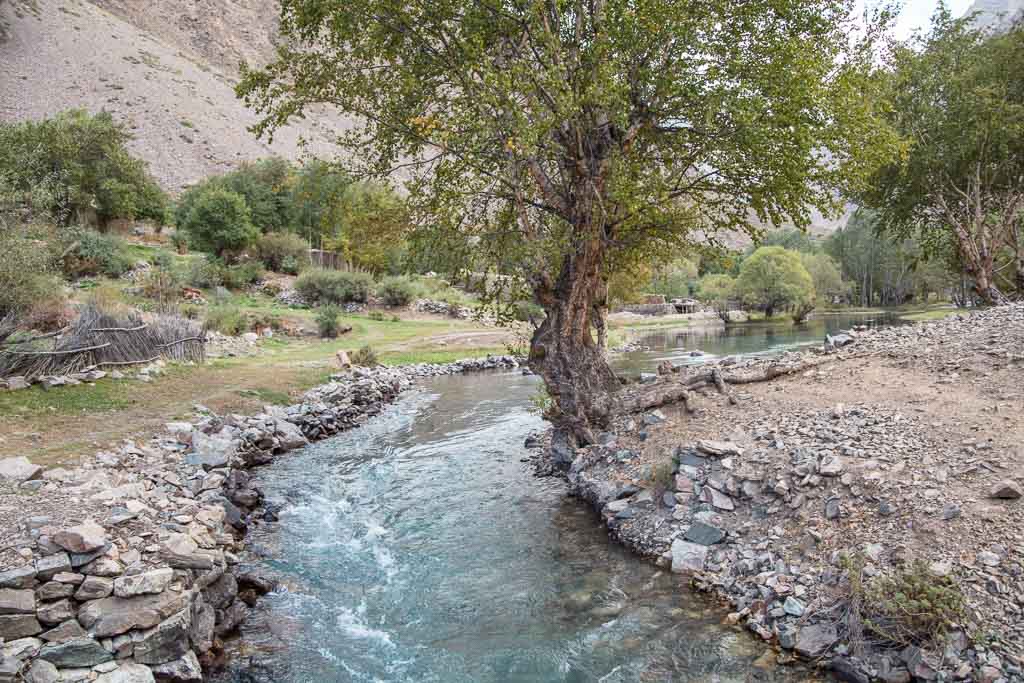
[{"x": 917, "y": 13}]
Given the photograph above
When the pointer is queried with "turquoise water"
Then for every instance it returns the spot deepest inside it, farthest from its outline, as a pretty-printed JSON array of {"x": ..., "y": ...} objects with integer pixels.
[{"x": 420, "y": 547}]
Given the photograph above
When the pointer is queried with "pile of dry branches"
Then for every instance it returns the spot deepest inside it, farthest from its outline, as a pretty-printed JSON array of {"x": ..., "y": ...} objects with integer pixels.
[{"x": 100, "y": 340}]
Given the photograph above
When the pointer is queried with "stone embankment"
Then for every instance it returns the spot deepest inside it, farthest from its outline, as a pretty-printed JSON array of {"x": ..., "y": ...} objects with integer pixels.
[
  {"x": 803, "y": 511},
  {"x": 126, "y": 568}
]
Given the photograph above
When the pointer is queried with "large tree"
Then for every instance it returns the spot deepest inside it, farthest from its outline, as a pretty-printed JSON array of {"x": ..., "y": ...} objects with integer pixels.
[
  {"x": 567, "y": 139},
  {"x": 957, "y": 99}
]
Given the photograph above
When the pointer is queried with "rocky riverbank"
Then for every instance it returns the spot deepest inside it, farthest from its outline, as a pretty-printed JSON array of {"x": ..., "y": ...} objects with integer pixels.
[
  {"x": 126, "y": 568},
  {"x": 863, "y": 513}
]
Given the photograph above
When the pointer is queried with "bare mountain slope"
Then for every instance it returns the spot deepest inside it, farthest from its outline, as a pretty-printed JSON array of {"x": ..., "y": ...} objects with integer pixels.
[{"x": 178, "y": 100}]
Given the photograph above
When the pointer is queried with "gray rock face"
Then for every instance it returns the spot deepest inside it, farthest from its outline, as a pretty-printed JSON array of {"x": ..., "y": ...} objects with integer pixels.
[
  {"x": 55, "y": 612},
  {"x": 210, "y": 452},
  {"x": 78, "y": 653},
  {"x": 704, "y": 534},
  {"x": 147, "y": 583},
  {"x": 290, "y": 436},
  {"x": 1007, "y": 489},
  {"x": 10, "y": 669},
  {"x": 688, "y": 557},
  {"x": 19, "y": 470},
  {"x": 21, "y": 577},
  {"x": 14, "y": 601},
  {"x": 201, "y": 632},
  {"x": 69, "y": 630},
  {"x": 814, "y": 640},
  {"x": 167, "y": 642},
  {"x": 94, "y": 588},
  {"x": 42, "y": 671},
  {"x": 84, "y": 538},
  {"x": 51, "y": 565},
  {"x": 128, "y": 673},
  {"x": 181, "y": 670},
  {"x": 114, "y": 616},
  {"x": 14, "y": 626}
]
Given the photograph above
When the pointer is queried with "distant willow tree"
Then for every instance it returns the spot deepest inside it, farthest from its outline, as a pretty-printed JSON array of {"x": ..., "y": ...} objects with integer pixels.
[
  {"x": 565, "y": 140},
  {"x": 957, "y": 101}
]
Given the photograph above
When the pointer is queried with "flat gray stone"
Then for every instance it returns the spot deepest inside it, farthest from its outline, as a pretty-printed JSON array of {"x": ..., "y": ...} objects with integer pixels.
[
  {"x": 704, "y": 534},
  {"x": 180, "y": 670},
  {"x": 87, "y": 537},
  {"x": 20, "y": 577},
  {"x": 717, "y": 499},
  {"x": 69, "y": 630},
  {"x": 19, "y": 470},
  {"x": 55, "y": 612},
  {"x": 51, "y": 565},
  {"x": 688, "y": 557},
  {"x": 210, "y": 452},
  {"x": 17, "y": 601},
  {"x": 42, "y": 671},
  {"x": 151, "y": 582},
  {"x": 815, "y": 640},
  {"x": 94, "y": 588},
  {"x": 113, "y": 616},
  {"x": 14, "y": 626},
  {"x": 793, "y": 607},
  {"x": 78, "y": 653},
  {"x": 128, "y": 673},
  {"x": 167, "y": 642}
]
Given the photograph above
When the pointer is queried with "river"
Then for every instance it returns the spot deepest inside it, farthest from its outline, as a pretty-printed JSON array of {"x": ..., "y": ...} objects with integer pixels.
[{"x": 420, "y": 547}]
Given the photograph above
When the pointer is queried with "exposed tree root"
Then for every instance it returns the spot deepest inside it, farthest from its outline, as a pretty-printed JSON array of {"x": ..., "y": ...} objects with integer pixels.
[{"x": 676, "y": 388}]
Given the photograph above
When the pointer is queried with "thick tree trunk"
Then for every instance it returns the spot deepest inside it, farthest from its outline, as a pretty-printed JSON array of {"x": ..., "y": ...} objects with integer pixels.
[{"x": 564, "y": 352}]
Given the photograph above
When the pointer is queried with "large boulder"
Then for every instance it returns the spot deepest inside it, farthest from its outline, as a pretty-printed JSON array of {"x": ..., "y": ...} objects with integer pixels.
[
  {"x": 114, "y": 616},
  {"x": 167, "y": 642},
  {"x": 78, "y": 653},
  {"x": 1007, "y": 489},
  {"x": 815, "y": 640},
  {"x": 147, "y": 583},
  {"x": 688, "y": 557},
  {"x": 13, "y": 601},
  {"x": 19, "y": 470},
  {"x": 85, "y": 538},
  {"x": 211, "y": 452}
]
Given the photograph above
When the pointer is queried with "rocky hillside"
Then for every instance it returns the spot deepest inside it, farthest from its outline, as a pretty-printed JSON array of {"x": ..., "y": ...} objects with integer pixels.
[
  {"x": 167, "y": 69},
  {"x": 997, "y": 14}
]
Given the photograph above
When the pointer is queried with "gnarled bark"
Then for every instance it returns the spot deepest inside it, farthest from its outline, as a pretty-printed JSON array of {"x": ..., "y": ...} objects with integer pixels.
[{"x": 564, "y": 352}]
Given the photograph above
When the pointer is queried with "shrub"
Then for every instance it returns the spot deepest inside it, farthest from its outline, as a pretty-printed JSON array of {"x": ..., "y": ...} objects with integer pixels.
[
  {"x": 88, "y": 253},
  {"x": 334, "y": 286},
  {"x": 219, "y": 222},
  {"x": 365, "y": 356},
  {"x": 238, "y": 276},
  {"x": 226, "y": 319},
  {"x": 913, "y": 606},
  {"x": 82, "y": 162},
  {"x": 180, "y": 242},
  {"x": 163, "y": 286},
  {"x": 26, "y": 273},
  {"x": 162, "y": 259},
  {"x": 282, "y": 252},
  {"x": 377, "y": 315},
  {"x": 204, "y": 274},
  {"x": 397, "y": 290},
  {"x": 527, "y": 311},
  {"x": 327, "y": 321}
]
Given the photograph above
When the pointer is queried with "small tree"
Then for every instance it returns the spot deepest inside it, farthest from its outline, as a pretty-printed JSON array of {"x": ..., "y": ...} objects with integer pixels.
[
  {"x": 219, "y": 222},
  {"x": 717, "y": 290},
  {"x": 773, "y": 278},
  {"x": 828, "y": 281}
]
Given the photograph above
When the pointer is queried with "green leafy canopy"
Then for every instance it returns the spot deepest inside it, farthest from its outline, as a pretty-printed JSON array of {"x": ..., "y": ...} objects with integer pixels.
[{"x": 524, "y": 128}]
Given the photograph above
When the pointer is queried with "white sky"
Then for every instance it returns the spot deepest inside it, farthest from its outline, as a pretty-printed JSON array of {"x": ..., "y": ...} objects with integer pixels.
[{"x": 917, "y": 13}]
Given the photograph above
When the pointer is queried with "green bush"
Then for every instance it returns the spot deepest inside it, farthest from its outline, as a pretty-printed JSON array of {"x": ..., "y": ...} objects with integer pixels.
[
  {"x": 180, "y": 242},
  {"x": 334, "y": 286},
  {"x": 162, "y": 259},
  {"x": 525, "y": 311},
  {"x": 327, "y": 321},
  {"x": 204, "y": 274},
  {"x": 282, "y": 252},
  {"x": 226, "y": 319},
  {"x": 365, "y": 356},
  {"x": 219, "y": 222},
  {"x": 397, "y": 290},
  {"x": 81, "y": 164},
  {"x": 238, "y": 276},
  {"x": 90, "y": 253},
  {"x": 27, "y": 276}
]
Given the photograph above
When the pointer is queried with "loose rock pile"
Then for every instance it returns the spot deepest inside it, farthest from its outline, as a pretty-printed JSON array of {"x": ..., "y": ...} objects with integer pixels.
[
  {"x": 769, "y": 515},
  {"x": 462, "y": 366},
  {"x": 126, "y": 569},
  {"x": 443, "y": 308}
]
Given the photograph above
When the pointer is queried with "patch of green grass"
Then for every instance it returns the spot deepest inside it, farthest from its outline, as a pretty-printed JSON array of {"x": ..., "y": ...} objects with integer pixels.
[
  {"x": 413, "y": 357},
  {"x": 105, "y": 395},
  {"x": 931, "y": 314},
  {"x": 271, "y": 396}
]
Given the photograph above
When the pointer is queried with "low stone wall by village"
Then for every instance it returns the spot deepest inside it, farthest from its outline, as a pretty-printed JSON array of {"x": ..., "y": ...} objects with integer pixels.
[{"x": 126, "y": 569}]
